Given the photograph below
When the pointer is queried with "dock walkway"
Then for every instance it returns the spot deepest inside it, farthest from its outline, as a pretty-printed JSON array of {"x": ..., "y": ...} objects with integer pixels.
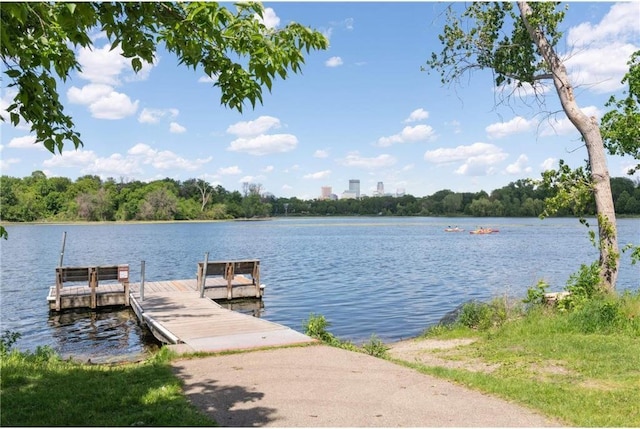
[{"x": 176, "y": 314}]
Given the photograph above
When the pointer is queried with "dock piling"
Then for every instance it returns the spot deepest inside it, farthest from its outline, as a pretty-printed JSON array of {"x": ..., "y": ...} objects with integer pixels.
[
  {"x": 203, "y": 278},
  {"x": 141, "y": 280}
]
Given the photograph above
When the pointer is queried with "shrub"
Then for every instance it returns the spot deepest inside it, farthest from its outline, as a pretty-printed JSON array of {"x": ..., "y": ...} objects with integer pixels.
[
  {"x": 535, "y": 295},
  {"x": 316, "y": 327},
  {"x": 375, "y": 347},
  {"x": 597, "y": 316},
  {"x": 482, "y": 316},
  {"x": 7, "y": 341},
  {"x": 583, "y": 286}
]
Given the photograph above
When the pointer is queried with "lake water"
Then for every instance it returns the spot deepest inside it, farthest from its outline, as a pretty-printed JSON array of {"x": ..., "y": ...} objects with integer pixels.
[{"x": 392, "y": 277}]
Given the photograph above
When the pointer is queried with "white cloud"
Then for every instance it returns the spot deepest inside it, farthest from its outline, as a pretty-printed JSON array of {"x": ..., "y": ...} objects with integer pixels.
[
  {"x": 71, "y": 158},
  {"x": 621, "y": 22},
  {"x": 514, "y": 126},
  {"x": 477, "y": 159},
  {"x": 319, "y": 175},
  {"x": 5, "y": 164},
  {"x": 599, "y": 53},
  {"x": 115, "y": 106},
  {"x": 247, "y": 179},
  {"x": 153, "y": 116},
  {"x": 269, "y": 18},
  {"x": 355, "y": 160},
  {"x": 114, "y": 166},
  {"x": 268, "y": 169},
  {"x": 103, "y": 101},
  {"x": 456, "y": 125},
  {"x": 601, "y": 68},
  {"x": 89, "y": 163},
  {"x": 176, "y": 128},
  {"x": 253, "y": 128},
  {"x": 264, "y": 144},
  {"x": 348, "y": 23},
  {"x": 102, "y": 65},
  {"x": 520, "y": 166},
  {"x": 165, "y": 160},
  {"x": 88, "y": 94},
  {"x": 25, "y": 142},
  {"x": 333, "y": 62},
  {"x": 549, "y": 164},
  {"x": 105, "y": 65},
  {"x": 417, "y": 115},
  {"x": 320, "y": 154},
  {"x": 408, "y": 134},
  {"x": 227, "y": 171}
]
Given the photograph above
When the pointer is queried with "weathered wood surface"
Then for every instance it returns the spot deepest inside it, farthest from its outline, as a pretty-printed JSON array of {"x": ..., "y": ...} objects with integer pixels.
[
  {"x": 181, "y": 317},
  {"x": 80, "y": 297},
  {"x": 87, "y": 288},
  {"x": 229, "y": 271}
]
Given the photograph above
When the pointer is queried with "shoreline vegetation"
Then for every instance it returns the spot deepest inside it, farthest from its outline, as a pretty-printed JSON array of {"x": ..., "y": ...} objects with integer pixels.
[
  {"x": 38, "y": 198},
  {"x": 575, "y": 360}
]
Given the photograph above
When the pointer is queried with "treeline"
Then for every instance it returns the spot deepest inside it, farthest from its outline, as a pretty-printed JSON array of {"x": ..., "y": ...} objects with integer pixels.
[{"x": 89, "y": 198}]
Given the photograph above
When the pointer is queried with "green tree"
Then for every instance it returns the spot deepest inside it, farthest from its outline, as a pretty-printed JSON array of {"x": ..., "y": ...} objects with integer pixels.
[
  {"x": 518, "y": 43},
  {"x": 159, "y": 204},
  {"x": 621, "y": 127}
]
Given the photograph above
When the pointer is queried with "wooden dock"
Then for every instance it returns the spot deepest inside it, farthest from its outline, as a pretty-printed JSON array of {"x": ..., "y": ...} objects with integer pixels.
[
  {"x": 180, "y": 313},
  {"x": 176, "y": 314}
]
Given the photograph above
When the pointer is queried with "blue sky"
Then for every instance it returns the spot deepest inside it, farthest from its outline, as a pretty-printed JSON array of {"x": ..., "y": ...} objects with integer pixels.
[{"x": 362, "y": 109}]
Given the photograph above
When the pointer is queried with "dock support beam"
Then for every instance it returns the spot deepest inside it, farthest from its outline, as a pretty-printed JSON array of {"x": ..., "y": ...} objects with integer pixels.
[
  {"x": 141, "y": 280},
  {"x": 203, "y": 276}
]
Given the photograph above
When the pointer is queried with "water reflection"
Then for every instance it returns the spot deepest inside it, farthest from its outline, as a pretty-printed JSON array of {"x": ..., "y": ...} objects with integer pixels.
[
  {"x": 252, "y": 307},
  {"x": 106, "y": 335}
]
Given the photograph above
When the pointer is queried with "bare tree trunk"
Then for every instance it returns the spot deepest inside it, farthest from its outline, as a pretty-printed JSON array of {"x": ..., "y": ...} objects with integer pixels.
[
  {"x": 205, "y": 193},
  {"x": 590, "y": 131}
]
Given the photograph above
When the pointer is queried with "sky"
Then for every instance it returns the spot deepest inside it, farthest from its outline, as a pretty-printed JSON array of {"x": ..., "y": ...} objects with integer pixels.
[{"x": 362, "y": 109}]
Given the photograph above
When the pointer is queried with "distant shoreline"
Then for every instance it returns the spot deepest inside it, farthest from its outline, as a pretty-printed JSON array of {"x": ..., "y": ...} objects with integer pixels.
[{"x": 137, "y": 222}]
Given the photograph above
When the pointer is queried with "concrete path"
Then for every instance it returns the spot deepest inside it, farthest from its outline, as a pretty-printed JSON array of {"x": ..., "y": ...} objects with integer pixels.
[{"x": 322, "y": 386}]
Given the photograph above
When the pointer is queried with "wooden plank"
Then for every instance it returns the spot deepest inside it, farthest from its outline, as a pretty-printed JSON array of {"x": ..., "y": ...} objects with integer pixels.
[{"x": 203, "y": 325}]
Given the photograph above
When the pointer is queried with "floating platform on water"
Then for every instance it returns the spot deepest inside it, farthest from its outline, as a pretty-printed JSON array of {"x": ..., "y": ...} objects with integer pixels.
[
  {"x": 181, "y": 313},
  {"x": 178, "y": 316}
]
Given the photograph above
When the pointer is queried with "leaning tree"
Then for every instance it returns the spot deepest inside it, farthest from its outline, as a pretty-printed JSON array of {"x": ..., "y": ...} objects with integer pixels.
[{"x": 518, "y": 42}]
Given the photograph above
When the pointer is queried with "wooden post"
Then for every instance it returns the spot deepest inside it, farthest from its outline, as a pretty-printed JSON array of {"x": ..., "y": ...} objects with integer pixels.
[
  {"x": 93, "y": 283},
  {"x": 229, "y": 276},
  {"x": 141, "y": 280},
  {"x": 256, "y": 277},
  {"x": 123, "y": 277},
  {"x": 203, "y": 276},
  {"x": 64, "y": 239},
  {"x": 58, "y": 289}
]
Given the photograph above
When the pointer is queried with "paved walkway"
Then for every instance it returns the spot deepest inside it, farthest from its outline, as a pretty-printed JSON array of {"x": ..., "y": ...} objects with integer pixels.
[{"x": 322, "y": 386}]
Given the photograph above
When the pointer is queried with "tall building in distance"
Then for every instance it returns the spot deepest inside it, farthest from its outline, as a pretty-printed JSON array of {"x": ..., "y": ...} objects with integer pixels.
[
  {"x": 380, "y": 189},
  {"x": 354, "y": 187},
  {"x": 325, "y": 192}
]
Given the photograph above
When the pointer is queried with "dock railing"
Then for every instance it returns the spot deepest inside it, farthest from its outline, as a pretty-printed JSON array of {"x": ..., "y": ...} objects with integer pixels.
[
  {"x": 228, "y": 269},
  {"x": 92, "y": 276}
]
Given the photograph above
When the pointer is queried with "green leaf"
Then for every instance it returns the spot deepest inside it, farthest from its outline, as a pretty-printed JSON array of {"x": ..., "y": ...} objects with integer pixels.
[
  {"x": 136, "y": 64},
  {"x": 13, "y": 73}
]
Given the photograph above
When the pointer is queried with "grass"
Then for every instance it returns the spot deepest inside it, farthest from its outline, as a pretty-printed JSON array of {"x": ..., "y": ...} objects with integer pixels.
[
  {"x": 39, "y": 389},
  {"x": 579, "y": 366}
]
